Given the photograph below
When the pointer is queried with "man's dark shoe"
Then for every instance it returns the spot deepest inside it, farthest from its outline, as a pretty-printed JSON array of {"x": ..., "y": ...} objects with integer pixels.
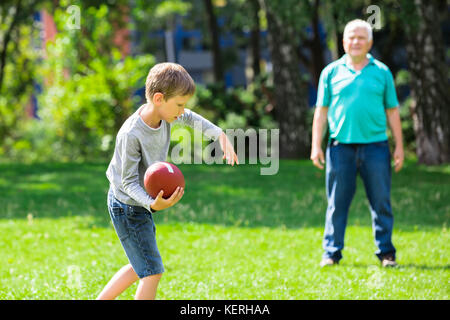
[
  {"x": 388, "y": 261},
  {"x": 328, "y": 262}
]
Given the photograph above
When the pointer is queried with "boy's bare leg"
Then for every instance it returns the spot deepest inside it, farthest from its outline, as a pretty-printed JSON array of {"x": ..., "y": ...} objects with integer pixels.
[
  {"x": 124, "y": 278},
  {"x": 147, "y": 287}
]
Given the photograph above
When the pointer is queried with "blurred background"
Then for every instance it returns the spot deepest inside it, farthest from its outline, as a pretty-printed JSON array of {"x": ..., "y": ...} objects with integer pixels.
[{"x": 72, "y": 71}]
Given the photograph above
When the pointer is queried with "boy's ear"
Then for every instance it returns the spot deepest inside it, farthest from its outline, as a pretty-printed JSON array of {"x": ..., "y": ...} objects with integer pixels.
[{"x": 158, "y": 98}]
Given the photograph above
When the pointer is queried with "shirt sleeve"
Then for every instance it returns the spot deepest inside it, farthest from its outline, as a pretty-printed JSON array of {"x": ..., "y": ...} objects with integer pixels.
[
  {"x": 131, "y": 156},
  {"x": 390, "y": 96},
  {"x": 197, "y": 122},
  {"x": 323, "y": 91}
]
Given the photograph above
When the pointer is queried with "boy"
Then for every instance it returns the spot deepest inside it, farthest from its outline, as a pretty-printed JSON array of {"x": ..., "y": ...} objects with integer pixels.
[{"x": 142, "y": 140}]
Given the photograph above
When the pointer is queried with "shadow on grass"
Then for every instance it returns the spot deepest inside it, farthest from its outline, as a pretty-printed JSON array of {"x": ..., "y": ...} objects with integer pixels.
[
  {"x": 224, "y": 195},
  {"x": 401, "y": 266},
  {"x": 423, "y": 267}
]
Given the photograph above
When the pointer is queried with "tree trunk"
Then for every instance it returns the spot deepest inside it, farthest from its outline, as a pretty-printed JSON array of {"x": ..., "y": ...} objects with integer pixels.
[
  {"x": 215, "y": 45},
  {"x": 318, "y": 61},
  {"x": 314, "y": 61},
  {"x": 429, "y": 84},
  {"x": 6, "y": 37},
  {"x": 289, "y": 91},
  {"x": 255, "y": 39}
]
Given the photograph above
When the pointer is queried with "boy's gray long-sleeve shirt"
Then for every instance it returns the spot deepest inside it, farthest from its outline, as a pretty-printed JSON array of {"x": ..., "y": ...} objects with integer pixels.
[{"x": 138, "y": 146}]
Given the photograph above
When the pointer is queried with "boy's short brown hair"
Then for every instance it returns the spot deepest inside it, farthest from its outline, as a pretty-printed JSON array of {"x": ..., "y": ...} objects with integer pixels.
[{"x": 170, "y": 79}]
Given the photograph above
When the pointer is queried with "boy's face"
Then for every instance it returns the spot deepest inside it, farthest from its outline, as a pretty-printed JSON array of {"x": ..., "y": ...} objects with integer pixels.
[{"x": 170, "y": 109}]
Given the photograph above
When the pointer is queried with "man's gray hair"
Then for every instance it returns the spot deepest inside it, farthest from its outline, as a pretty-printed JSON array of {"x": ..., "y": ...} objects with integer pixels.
[{"x": 358, "y": 23}]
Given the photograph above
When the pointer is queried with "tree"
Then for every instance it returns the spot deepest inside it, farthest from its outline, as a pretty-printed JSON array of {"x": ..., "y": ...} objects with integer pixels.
[
  {"x": 255, "y": 38},
  {"x": 314, "y": 61},
  {"x": 17, "y": 68},
  {"x": 13, "y": 14},
  {"x": 429, "y": 79},
  {"x": 291, "y": 108},
  {"x": 215, "y": 41},
  {"x": 89, "y": 86},
  {"x": 334, "y": 15},
  {"x": 154, "y": 16}
]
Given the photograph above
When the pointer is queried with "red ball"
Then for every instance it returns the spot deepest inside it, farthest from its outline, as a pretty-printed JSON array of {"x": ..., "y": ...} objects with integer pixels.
[{"x": 163, "y": 176}]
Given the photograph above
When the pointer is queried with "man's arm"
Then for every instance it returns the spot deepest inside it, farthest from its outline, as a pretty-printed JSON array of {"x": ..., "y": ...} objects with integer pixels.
[
  {"x": 393, "y": 116},
  {"x": 319, "y": 122}
]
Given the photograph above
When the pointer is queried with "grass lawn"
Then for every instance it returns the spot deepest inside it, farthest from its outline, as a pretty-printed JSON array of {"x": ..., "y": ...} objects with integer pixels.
[{"x": 234, "y": 235}]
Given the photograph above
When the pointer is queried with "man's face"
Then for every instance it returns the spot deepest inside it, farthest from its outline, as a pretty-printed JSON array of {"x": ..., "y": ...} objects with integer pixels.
[
  {"x": 356, "y": 42},
  {"x": 171, "y": 109}
]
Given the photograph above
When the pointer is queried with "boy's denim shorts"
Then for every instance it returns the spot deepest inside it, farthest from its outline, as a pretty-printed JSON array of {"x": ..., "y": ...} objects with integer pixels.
[{"x": 136, "y": 231}]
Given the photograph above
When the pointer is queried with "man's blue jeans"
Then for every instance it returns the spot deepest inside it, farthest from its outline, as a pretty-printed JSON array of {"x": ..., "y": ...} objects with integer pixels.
[{"x": 343, "y": 162}]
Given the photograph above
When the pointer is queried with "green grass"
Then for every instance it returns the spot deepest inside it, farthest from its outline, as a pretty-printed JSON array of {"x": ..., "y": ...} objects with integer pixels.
[{"x": 235, "y": 235}]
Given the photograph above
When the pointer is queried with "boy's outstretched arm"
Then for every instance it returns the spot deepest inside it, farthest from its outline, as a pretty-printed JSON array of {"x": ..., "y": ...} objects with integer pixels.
[
  {"x": 228, "y": 150},
  {"x": 212, "y": 131}
]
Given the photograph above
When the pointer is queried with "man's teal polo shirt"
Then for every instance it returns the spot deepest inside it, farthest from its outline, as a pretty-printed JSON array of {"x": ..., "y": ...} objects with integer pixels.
[{"x": 357, "y": 100}]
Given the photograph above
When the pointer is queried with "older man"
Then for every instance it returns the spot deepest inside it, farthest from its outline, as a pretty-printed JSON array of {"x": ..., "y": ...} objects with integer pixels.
[{"x": 357, "y": 98}]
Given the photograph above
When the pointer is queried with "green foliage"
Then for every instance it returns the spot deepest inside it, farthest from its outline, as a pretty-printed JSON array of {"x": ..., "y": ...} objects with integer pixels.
[
  {"x": 88, "y": 93},
  {"x": 237, "y": 107},
  {"x": 168, "y": 8},
  {"x": 234, "y": 108},
  {"x": 17, "y": 70},
  {"x": 150, "y": 16},
  {"x": 409, "y": 136},
  {"x": 89, "y": 86},
  {"x": 16, "y": 90}
]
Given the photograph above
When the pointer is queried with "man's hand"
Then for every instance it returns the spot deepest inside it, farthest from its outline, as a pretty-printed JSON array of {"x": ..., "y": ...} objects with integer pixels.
[
  {"x": 317, "y": 157},
  {"x": 160, "y": 203},
  {"x": 319, "y": 122},
  {"x": 228, "y": 151},
  {"x": 393, "y": 116},
  {"x": 399, "y": 157}
]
